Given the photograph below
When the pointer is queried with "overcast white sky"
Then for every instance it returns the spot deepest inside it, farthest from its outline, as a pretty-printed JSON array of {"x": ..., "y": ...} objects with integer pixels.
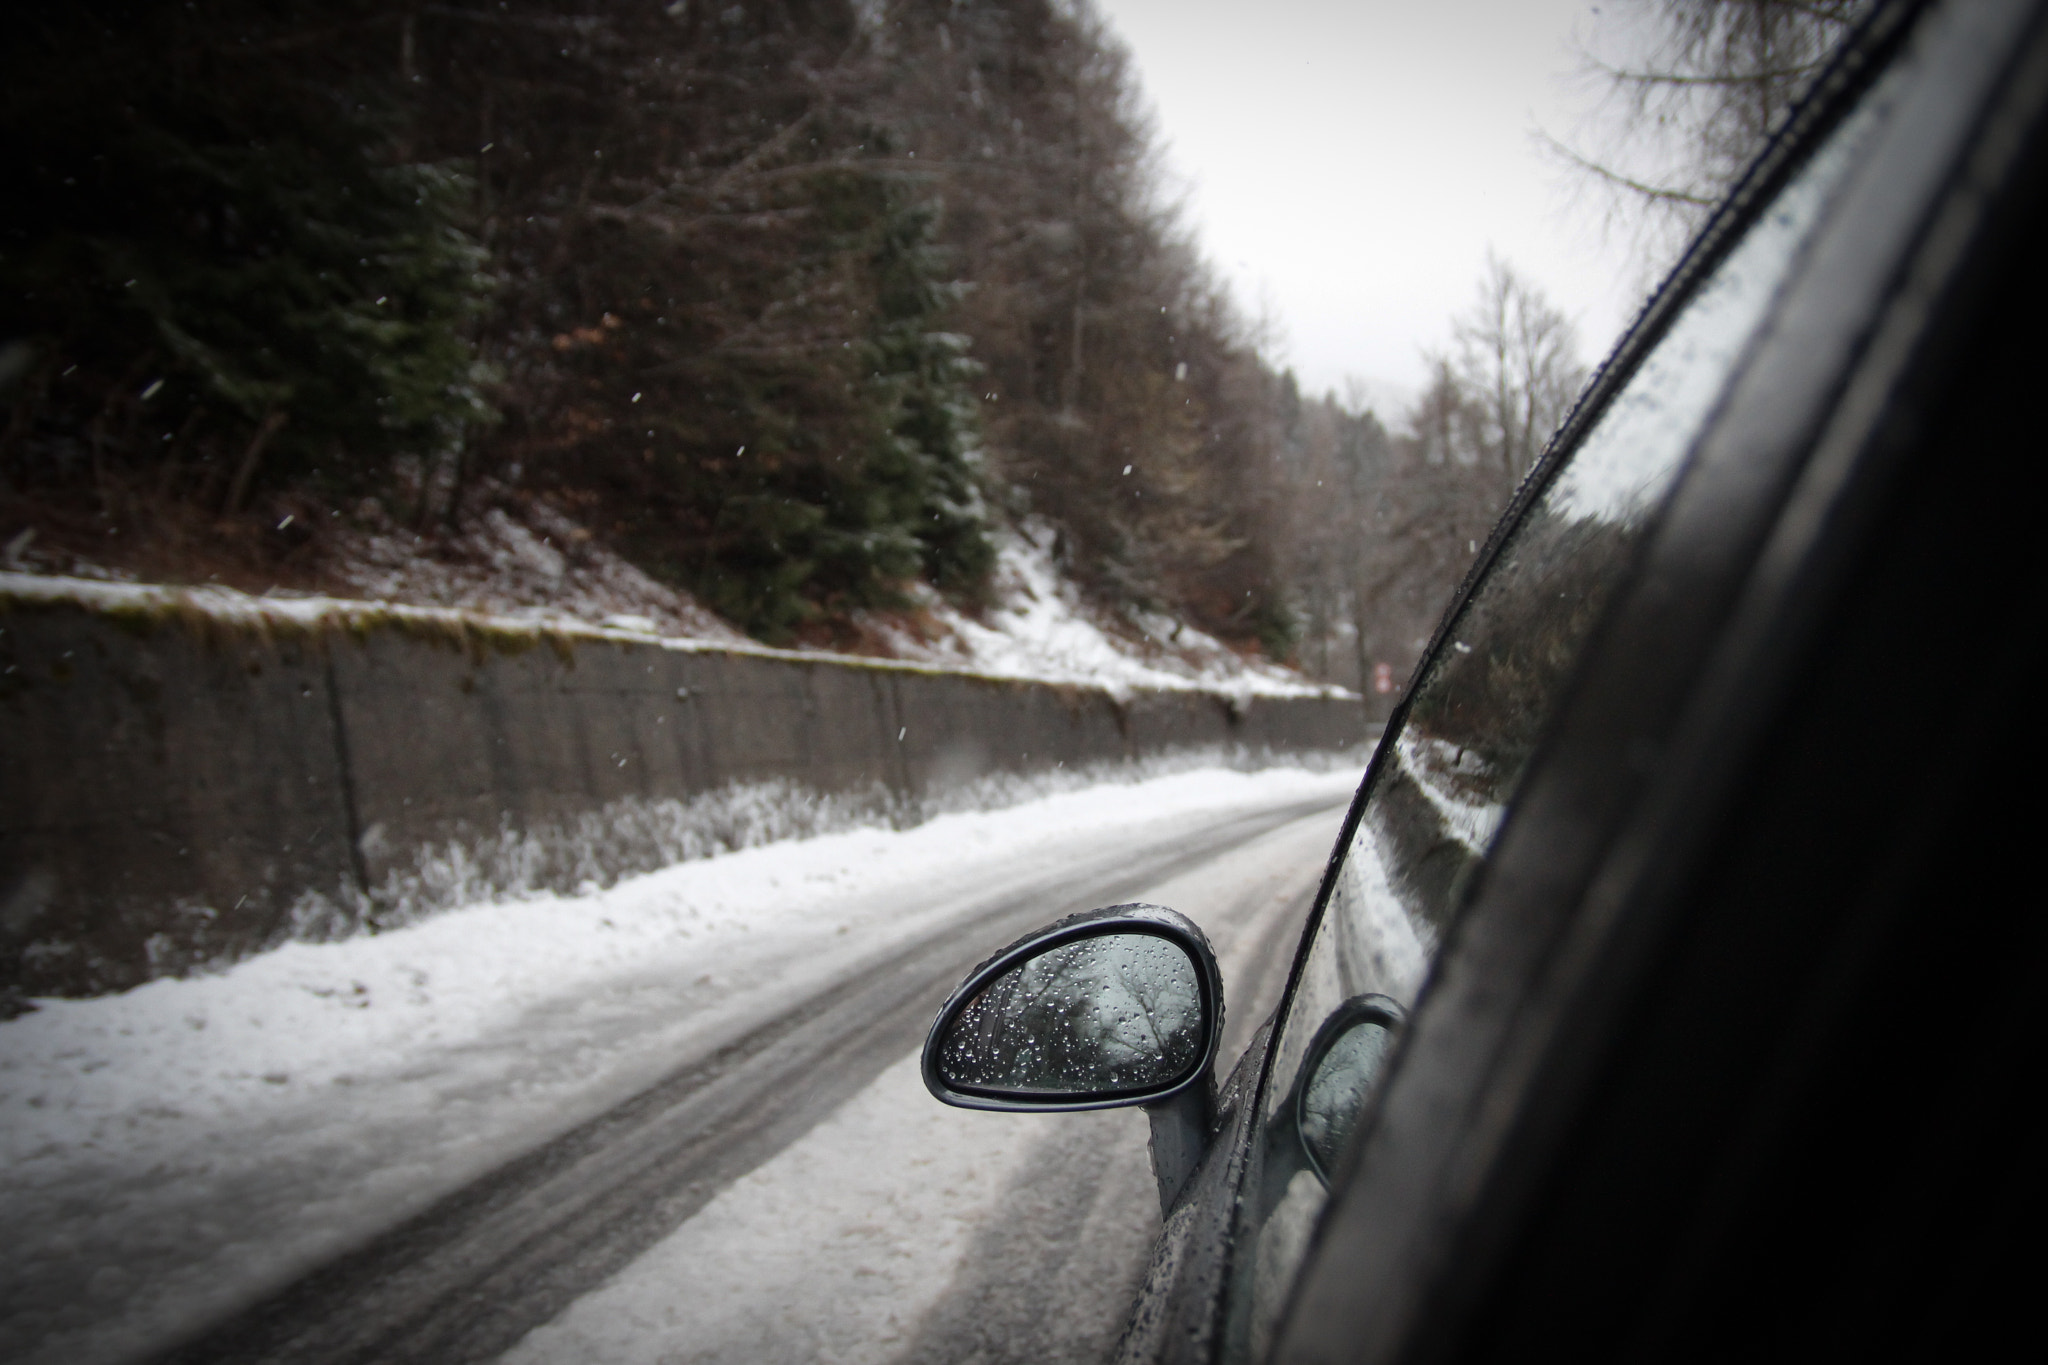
[{"x": 1350, "y": 162}]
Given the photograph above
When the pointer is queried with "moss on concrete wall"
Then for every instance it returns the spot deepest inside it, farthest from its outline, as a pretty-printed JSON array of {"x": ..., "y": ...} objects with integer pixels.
[{"x": 179, "y": 788}]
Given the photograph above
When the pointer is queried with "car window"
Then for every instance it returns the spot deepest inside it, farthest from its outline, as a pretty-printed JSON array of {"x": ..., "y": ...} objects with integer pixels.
[{"x": 1445, "y": 779}]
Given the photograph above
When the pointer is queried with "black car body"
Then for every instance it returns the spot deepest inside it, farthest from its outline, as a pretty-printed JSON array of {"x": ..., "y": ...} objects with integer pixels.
[{"x": 1676, "y": 988}]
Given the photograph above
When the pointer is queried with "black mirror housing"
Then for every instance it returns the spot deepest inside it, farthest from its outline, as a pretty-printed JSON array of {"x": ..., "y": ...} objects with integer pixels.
[{"x": 1113, "y": 939}]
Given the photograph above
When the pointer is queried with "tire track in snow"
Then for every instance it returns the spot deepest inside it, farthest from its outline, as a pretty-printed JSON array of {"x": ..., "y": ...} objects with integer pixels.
[
  {"x": 1052, "y": 1274},
  {"x": 469, "y": 1277}
]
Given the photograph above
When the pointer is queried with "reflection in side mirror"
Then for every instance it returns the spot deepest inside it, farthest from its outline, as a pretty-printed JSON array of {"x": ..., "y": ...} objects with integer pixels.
[
  {"x": 1107, "y": 1008},
  {"x": 1112, "y": 1007},
  {"x": 1111, "y": 1014},
  {"x": 1339, "y": 1074}
]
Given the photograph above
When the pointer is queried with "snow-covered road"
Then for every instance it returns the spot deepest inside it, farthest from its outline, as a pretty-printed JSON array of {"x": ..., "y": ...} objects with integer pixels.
[{"x": 179, "y": 1152}]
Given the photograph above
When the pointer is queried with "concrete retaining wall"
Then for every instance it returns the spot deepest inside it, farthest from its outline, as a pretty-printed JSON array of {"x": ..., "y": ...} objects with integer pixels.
[{"x": 178, "y": 789}]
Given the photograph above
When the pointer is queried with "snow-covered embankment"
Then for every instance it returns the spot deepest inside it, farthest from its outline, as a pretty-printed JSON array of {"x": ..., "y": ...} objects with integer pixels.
[{"x": 175, "y": 1149}]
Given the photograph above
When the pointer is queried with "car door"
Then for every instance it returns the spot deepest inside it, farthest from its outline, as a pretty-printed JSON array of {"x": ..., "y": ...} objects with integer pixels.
[
  {"x": 1651, "y": 1105},
  {"x": 1674, "y": 651},
  {"x": 1782, "y": 290}
]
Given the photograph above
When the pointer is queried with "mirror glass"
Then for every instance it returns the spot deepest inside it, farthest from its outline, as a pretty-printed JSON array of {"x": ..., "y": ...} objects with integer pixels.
[
  {"x": 1339, "y": 1082},
  {"x": 1111, "y": 1014}
]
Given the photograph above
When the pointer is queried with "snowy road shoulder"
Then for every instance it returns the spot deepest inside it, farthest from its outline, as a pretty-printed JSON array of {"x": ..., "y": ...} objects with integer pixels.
[
  {"x": 899, "y": 1230},
  {"x": 226, "y": 1132},
  {"x": 829, "y": 1253}
]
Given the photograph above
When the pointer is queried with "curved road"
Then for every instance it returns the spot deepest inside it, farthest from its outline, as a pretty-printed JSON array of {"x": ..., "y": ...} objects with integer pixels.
[{"x": 473, "y": 1275}]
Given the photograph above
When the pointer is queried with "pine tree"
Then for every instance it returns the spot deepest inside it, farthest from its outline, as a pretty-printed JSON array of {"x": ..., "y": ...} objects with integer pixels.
[{"x": 207, "y": 243}]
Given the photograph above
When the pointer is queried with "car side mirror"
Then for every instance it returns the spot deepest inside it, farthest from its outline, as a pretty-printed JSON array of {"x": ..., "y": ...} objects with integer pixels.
[
  {"x": 1339, "y": 1073},
  {"x": 1105, "y": 1009}
]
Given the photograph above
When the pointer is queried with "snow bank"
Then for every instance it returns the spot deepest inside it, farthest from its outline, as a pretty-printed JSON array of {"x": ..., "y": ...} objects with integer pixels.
[
  {"x": 80, "y": 1075},
  {"x": 628, "y": 837},
  {"x": 173, "y": 1149},
  {"x": 1040, "y": 627}
]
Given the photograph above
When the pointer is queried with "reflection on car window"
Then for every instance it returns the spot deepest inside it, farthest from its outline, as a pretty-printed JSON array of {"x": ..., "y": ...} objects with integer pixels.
[{"x": 1445, "y": 784}]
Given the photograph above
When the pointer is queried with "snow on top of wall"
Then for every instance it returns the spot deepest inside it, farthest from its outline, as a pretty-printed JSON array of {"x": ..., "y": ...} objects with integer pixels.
[
  {"x": 514, "y": 577},
  {"x": 539, "y": 567},
  {"x": 313, "y": 610}
]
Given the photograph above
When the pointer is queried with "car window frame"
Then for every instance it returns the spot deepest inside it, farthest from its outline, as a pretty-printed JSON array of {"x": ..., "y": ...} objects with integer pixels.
[
  {"x": 1811, "y": 406},
  {"x": 1837, "y": 94},
  {"x": 1834, "y": 94}
]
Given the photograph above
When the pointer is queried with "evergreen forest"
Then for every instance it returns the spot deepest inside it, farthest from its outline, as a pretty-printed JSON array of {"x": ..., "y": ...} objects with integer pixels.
[{"x": 792, "y": 303}]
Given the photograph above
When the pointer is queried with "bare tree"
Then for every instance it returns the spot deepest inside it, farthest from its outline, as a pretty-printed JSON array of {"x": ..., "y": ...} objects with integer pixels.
[
  {"x": 1337, "y": 460},
  {"x": 1517, "y": 370},
  {"x": 1691, "y": 92},
  {"x": 1410, "y": 511}
]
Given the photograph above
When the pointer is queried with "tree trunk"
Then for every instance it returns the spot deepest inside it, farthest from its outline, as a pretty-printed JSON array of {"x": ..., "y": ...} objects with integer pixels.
[
  {"x": 459, "y": 477},
  {"x": 246, "y": 471}
]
